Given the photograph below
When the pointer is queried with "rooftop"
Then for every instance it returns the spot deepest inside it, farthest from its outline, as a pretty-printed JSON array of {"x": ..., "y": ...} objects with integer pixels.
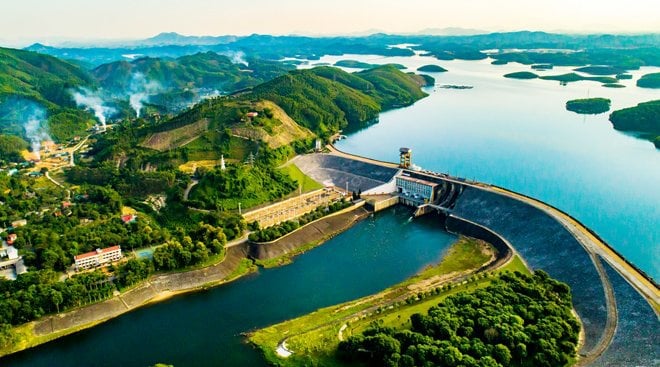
[
  {"x": 97, "y": 252},
  {"x": 417, "y": 180}
]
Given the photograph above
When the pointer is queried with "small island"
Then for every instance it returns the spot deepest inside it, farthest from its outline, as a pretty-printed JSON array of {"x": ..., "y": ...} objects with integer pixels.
[
  {"x": 499, "y": 62},
  {"x": 649, "y": 81},
  {"x": 521, "y": 75},
  {"x": 623, "y": 76},
  {"x": 432, "y": 69},
  {"x": 542, "y": 66},
  {"x": 589, "y": 106},
  {"x": 574, "y": 77},
  {"x": 363, "y": 65},
  {"x": 613, "y": 85},
  {"x": 600, "y": 70},
  {"x": 453, "y": 86},
  {"x": 643, "y": 119}
]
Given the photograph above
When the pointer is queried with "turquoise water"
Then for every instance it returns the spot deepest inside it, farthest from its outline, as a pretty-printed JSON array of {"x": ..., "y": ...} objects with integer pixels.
[
  {"x": 517, "y": 134},
  {"x": 204, "y": 328}
]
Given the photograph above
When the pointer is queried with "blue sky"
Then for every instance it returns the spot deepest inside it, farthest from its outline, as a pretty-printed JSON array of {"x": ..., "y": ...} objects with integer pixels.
[{"x": 31, "y": 20}]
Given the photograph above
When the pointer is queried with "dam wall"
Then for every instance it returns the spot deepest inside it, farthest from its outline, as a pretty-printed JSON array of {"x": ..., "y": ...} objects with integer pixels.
[
  {"x": 314, "y": 232},
  {"x": 545, "y": 244},
  {"x": 636, "y": 340}
]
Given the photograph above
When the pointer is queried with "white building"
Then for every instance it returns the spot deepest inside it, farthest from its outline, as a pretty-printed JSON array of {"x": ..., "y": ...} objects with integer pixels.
[{"x": 98, "y": 257}]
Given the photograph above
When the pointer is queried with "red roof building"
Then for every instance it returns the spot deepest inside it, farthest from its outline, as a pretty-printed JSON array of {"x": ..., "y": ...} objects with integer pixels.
[
  {"x": 130, "y": 218},
  {"x": 98, "y": 257},
  {"x": 11, "y": 238}
]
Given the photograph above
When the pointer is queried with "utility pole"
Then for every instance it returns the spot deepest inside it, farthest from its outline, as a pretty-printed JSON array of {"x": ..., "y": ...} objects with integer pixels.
[{"x": 239, "y": 209}]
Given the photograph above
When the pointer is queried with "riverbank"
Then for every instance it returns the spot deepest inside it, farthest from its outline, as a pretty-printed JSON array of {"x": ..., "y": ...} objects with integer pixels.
[
  {"x": 161, "y": 287},
  {"x": 156, "y": 289},
  {"x": 282, "y": 251}
]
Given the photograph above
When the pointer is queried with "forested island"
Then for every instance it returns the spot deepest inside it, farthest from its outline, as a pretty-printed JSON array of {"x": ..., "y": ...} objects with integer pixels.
[
  {"x": 521, "y": 75},
  {"x": 362, "y": 65},
  {"x": 643, "y": 119},
  {"x": 589, "y": 106},
  {"x": 649, "y": 81},
  {"x": 432, "y": 69}
]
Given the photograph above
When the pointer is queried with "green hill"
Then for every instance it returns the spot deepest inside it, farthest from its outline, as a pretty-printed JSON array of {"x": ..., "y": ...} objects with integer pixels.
[
  {"x": 643, "y": 118},
  {"x": 326, "y": 99},
  {"x": 202, "y": 70},
  {"x": 46, "y": 81}
]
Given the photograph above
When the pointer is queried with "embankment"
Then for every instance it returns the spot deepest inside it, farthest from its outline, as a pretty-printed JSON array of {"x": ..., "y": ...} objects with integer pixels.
[
  {"x": 308, "y": 236},
  {"x": 156, "y": 289}
]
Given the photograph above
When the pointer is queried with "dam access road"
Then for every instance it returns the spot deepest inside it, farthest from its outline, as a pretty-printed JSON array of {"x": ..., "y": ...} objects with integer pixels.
[{"x": 549, "y": 239}]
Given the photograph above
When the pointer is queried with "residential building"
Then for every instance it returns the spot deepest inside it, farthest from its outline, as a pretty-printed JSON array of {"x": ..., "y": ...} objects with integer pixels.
[{"x": 97, "y": 258}]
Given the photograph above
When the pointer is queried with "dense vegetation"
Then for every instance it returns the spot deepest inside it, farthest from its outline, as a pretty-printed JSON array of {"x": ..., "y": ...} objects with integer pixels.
[
  {"x": 432, "y": 69},
  {"x": 248, "y": 184},
  {"x": 29, "y": 79},
  {"x": 643, "y": 118},
  {"x": 573, "y": 77},
  {"x": 326, "y": 99},
  {"x": 518, "y": 320},
  {"x": 600, "y": 70},
  {"x": 649, "y": 81},
  {"x": 11, "y": 147},
  {"x": 521, "y": 75},
  {"x": 274, "y": 232},
  {"x": 589, "y": 106}
]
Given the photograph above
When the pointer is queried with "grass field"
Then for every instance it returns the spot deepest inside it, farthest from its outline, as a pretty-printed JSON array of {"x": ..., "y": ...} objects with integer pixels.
[
  {"x": 314, "y": 337},
  {"x": 307, "y": 183}
]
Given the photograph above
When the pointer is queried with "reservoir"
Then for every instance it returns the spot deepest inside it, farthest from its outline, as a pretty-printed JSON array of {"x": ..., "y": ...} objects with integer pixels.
[
  {"x": 517, "y": 134},
  {"x": 513, "y": 133}
]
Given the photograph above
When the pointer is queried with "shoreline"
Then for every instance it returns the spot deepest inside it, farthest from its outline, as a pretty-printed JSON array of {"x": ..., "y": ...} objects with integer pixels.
[{"x": 156, "y": 289}]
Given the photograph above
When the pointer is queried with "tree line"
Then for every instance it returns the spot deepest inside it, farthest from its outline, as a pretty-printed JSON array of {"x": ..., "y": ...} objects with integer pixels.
[{"x": 518, "y": 320}]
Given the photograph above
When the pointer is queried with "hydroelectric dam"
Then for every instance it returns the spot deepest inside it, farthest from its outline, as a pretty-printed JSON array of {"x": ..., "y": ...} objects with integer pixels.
[{"x": 617, "y": 303}]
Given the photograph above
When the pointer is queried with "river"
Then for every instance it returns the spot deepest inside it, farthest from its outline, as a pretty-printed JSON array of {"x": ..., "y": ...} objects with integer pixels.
[{"x": 203, "y": 328}]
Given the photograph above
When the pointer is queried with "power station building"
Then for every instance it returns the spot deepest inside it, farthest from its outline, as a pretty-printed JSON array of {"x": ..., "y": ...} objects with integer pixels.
[{"x": 415, "y": 189}]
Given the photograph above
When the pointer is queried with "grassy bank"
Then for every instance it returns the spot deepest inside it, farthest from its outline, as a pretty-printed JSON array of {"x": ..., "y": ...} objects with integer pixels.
[
  {"x": 313, "y": 338},
  {"x": 306, "y": 183}
]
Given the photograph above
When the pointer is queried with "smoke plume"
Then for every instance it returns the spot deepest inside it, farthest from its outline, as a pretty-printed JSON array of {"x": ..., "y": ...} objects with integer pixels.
[
  {"x": 140, "y": 90},
  {"x": 31, "y": 117},
  {"x": 237, "y": 57},
  {"x": 91, "y": 100}
]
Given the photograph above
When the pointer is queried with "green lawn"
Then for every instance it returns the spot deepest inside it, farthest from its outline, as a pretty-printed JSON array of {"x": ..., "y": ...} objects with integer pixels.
[{"x": 307, "y": 183}]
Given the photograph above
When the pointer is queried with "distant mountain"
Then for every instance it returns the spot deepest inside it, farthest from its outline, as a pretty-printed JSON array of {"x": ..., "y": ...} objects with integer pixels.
[
  {"x": 450, "y": 31},
  {"x": 176, "y": 83},
  {"x": 173, "y": 38}
]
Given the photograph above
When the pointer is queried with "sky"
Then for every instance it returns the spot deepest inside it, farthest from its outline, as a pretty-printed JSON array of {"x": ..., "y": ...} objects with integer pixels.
[{"x": 26, "y": 21}]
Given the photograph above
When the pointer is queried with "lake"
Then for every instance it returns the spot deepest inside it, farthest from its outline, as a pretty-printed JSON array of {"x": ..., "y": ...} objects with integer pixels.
[{"x": 518, "y": 134}]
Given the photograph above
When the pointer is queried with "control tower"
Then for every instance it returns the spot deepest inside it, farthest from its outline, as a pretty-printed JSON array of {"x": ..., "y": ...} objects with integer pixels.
[{"x": 405, "y": 155}]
